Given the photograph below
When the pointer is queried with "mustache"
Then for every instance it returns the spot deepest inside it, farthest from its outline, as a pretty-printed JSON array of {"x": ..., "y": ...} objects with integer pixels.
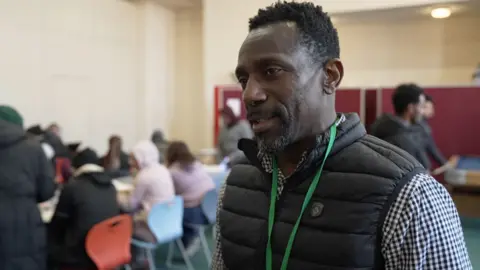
[{"x": 255, "y": 113}]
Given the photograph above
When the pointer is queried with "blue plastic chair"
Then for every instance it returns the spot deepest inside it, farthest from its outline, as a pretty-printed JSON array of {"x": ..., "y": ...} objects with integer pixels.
[
  {"x": 209, "y": 207},
  {"x": 219, "y": 178},
  {"x": 165, "y": 221}
]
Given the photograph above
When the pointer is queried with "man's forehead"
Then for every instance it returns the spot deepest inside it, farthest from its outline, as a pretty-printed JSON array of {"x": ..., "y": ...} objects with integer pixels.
[{"x": 275, "y": 38}]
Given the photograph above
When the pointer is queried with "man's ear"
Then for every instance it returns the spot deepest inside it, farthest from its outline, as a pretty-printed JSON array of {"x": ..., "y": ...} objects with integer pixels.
[{"x": 333, "y": 75}]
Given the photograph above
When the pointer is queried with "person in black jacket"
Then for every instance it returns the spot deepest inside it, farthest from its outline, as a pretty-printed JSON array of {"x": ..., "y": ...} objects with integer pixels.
[
  {"x": 85, "y": 201},
  {"x": 399, "y": 129},
  {"x": 26, "y": 179}
]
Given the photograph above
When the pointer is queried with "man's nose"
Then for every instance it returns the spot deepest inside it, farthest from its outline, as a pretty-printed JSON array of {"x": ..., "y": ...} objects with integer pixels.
[{"x": 253, "y": 93}]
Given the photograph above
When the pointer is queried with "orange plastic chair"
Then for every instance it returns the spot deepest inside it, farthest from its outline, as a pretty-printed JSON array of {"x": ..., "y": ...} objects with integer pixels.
[{"x": 108, "y": 242}]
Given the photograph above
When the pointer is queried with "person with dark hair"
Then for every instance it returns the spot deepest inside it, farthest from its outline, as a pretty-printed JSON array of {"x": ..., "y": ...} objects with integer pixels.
[
  {"x": 429, "y": 142},
  {"x": 36, "y": 133},
  {"x": 399, "y": 129},
  {"x": 115, "y": 162},
  {"x": 232, "y": 131},
  {"x": 192, "y": 182},
  {"x": 26, "y": 179},
  {"x": 54, "y": 128},
  {"x": 85, "y": 201},
  {"x": 62, "y": 158},
  {"x": 319, "y": 193},
  {"x": 159, "y": 140}
]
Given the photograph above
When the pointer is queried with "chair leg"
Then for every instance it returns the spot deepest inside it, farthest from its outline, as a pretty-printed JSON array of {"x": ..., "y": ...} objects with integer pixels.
[
  {"x": 151, "y": 261},
  {"x": 206, "y": 249},
  {"x": 184, "y": 255},
  {"x": 170, "y": 255}
]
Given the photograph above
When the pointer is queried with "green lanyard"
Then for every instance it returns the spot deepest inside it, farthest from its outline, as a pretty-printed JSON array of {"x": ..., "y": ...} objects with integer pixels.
[{"x": 273, "y": 200}]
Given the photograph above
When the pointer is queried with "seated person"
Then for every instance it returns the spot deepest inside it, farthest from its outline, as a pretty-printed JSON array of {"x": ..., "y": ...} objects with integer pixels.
[
  {"x": 36, "y": 133},
  {"x": 399, "y": 129},
  {"x": 153, "y": 184},
  {"x": 85, "y": 201},
  {"x": 191, "y": 182},
  {"x": 115, "y": 161},
  {"x": 234, "y": 128}
]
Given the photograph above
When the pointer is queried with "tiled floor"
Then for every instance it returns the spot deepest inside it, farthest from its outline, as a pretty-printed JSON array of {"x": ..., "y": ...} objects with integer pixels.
[{"x": 471, "y": 231}]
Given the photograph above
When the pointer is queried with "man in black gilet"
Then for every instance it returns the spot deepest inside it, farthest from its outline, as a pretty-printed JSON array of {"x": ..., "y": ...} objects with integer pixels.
[{"x": 367, "y": 205}]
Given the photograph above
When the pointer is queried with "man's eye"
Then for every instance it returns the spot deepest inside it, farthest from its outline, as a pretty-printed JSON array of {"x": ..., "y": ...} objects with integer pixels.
[
  {"x": 243, "y": 81},
  {"x": 272, "y": 71}
]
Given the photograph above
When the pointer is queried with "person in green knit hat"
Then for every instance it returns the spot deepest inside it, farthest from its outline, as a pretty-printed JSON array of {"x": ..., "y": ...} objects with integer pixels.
[
  {"x": 26, "y": 179},
  {"x": 11, "y": 115}
]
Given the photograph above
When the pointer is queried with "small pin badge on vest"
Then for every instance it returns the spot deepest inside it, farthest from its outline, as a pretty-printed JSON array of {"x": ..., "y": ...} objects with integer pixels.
[{"x": 316, "y": 210}]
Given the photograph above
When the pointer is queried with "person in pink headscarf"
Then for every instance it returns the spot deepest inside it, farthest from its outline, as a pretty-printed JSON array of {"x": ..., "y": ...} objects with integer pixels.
[
  {"x": 153, "y": 185},
  {"x": 153, "y": 182}
]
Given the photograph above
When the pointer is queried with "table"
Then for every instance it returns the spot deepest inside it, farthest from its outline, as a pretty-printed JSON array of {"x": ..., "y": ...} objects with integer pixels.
[
  {"x": 123, "y": 186},
  {"x": 464, "y": 179},
  {"x": 465, "y": 172}
]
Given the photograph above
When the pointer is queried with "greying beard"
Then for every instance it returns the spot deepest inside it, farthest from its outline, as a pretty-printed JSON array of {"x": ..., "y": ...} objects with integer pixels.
[
  {"x": 278, "y": 144},
  {"x": 273, "y": 147}
]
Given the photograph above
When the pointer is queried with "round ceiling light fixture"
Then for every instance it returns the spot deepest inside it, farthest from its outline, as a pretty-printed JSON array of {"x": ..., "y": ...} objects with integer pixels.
[{"x": 441, "y": 13}]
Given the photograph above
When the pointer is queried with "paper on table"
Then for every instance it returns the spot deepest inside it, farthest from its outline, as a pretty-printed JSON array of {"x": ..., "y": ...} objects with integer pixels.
[{"x": 120, "y": 186}]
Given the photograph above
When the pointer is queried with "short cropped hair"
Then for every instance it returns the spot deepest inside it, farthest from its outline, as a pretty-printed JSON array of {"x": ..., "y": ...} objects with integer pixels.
[
  {"x": 317, "y": 32},
  {"x": 404, "y": 95}
]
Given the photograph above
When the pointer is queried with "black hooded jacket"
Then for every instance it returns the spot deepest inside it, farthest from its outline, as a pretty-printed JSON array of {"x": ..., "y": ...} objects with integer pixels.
[
  {"x": 85, "y": 201},
  {"x": 26, "y": 179},
  {"x": 391, "y": 129}
]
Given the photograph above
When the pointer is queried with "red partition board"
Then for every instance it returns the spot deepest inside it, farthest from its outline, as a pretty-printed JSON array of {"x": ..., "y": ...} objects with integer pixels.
[
  {"x": 455, "y": 127},
  {"x": 386, "y": 100},
  {"x": 371, "y": 103},
  {"x": 349, "y": 100}
]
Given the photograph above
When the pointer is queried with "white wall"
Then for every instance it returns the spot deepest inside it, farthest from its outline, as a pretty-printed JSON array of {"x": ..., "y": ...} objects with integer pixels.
[
  {"x": 95, "y": 67},
  {"x": 423, "y": 50},
  {"x": 190, "y": 108}
]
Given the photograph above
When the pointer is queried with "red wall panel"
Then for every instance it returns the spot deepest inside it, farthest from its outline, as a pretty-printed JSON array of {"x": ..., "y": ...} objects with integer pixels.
[
  {"x": 349, "y": 100},
  {"x": 370, "y": 106}
]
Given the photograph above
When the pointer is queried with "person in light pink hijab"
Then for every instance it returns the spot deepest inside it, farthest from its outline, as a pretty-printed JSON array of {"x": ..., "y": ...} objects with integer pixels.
[{"x": 153, "y": 183}]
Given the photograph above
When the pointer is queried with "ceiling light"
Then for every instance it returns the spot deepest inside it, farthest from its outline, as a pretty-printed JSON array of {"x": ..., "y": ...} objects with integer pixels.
[{"x": 441, "y": 13}]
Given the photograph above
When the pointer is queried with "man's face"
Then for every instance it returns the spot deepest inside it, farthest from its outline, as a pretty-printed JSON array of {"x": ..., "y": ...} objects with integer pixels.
[
  {"x": 418, "y": 110},
  {"x": 428, "y": 110},
  {"x": 282, "y": 85}
]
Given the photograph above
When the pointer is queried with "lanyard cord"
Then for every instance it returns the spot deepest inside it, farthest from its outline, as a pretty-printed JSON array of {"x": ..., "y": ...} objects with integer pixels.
[{"x": 308, "y": 197}]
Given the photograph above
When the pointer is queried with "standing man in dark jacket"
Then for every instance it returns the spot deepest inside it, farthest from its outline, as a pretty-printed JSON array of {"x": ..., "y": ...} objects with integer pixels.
[
  {"x": 26, "y": 179},
  {"x": 401, "y": 129},
  {"x": 319, "y": 193},
  {"x": 430, "y": 145}
]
